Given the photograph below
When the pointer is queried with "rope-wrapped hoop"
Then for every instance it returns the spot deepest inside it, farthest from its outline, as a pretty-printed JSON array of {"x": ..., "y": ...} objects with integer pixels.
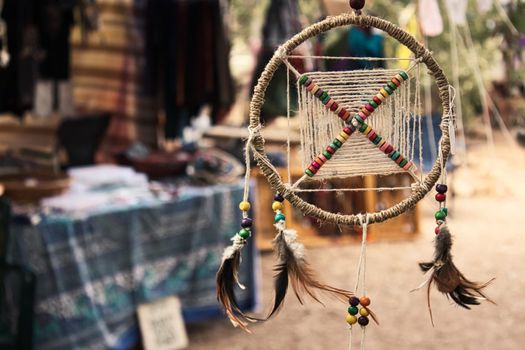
[{"x": 258, "y": 99}]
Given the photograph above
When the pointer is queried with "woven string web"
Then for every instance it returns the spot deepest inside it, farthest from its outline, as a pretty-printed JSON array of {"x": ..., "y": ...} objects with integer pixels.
[{"x": 397, "y": 120}]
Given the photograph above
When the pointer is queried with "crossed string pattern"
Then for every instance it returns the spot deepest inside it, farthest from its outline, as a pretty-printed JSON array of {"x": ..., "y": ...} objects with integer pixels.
[{"x": 357, "y": 122}]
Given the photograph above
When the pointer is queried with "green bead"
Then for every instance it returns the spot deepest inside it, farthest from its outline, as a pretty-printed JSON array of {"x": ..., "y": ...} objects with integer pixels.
[
  {"x": 244, "y": 233},
  {"x": 363, "y": 127},
  {"x": 327, "y": 154},
  {"x": 440, "y": 215},
  {"x": 303, "y": 79},
  {"x": 334, "y": 146},
  {"x": 445, "y": 210},
  {"x": 388, "y": 89},
  {"x": 359, "y": 119},
  {"x": 403, "y": 163},
  {"x": 280, "y": 217},
  {"x": 352, "y": 310},
  {"x": 395, "y": 155},
  {"x": 323, "y": 96},
  {"x": 309, "y": 173},
  {"x": 373, "y": 104},
  {"x": 403, "y": 74},
  {"x": 326, "y": 99},
  {"x": 336, "y": 143},
  {"x": 392, "y": 85},
  {"x": 377, "y": 140}
]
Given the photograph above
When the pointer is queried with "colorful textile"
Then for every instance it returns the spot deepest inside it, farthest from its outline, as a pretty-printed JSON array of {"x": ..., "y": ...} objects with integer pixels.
[{"x": 93, "y": 273}]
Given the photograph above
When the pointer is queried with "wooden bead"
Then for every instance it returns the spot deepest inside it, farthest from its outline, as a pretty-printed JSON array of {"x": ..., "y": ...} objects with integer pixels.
[
  {"x": 363, "y": 127},
  {"x": 403, "y": 163},
  {"x": 381, "y": 97},
  {"x": 388, "y": 90},
  {"x": 279, "y": 217},
  {"x": 391, "y": 85},
  {"x": 389, "y": 148},
  {"x": 326, "y": 99},
  {"x": 330, "y": 103},
  {"x": 353, "y": 310},
  {"x": 377, "y": 100},
  {"x": 367, "y": 130},
  {"x": 303, "y": 79},
  {"x": 364, "y": 301},
  {"x": 373, "y": 104},
  {"x": 397, "y": 82},
  {"x": 348, "y": 131},
  {"x": 404, "y": 75},
  {"x": 317, "y": 91},
  {"x": 309, "y": 172},
  {"x": 357, "y": 4},
  {"x": 351, "y": 319},
  {"x": 346, "y": 115},
  {"x": 323, "y": 158},
  {"x": 362, "y": 115},
  {"x": 441, "y": 197},
  {"x": 312, "y": 169},
  {"x": 338, "y": 110},
  {"x": 337, "y": 143},
  {"x": 369, "y": 108},
  {"x": 330, "y": 150},
  {"x": 354, "y": 301},
  {"x": 308, "y": 82},
  {"x": 372, "y": 135},
  {"x": 244, "y": 233},
  {"x": 311, "y": 87},
  {"x": 441, "y": 188},
  {"x": 277, "y": 206},
  {"x": 395, "y": 155},
  {"x": 359, "y": 118},
  {"x": 327, "y": 155},
  {"x": 244, "y": 206},
  {"x": 384, "y": 93},
  {"x": 340, "y": 139},
  {"x": 341, "y": 112},
  {"x": 400, "y": 159},
  {"x": 381, "y": 143},
  {"x": 278, "y": 197},
  {"x": 246, "y": 223},
  {"x": 320, "y": 160},
  {"x": 334, "y": 106},
  {"x": 440, "y": 215},
  {"x": 323, "y": 95},
  {"x": 408, "y": 165},
  {"x": 365, "y": 111},
  {"x": 316, "y": 165},
  {"x": 364, "y": 311},
  {"x": 437, "y": 230},
  {"x": 363, "y": 321},
  {"x": 344, "y": 135}
]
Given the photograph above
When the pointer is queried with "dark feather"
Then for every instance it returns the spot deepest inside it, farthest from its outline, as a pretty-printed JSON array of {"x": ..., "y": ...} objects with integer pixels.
[
  {"x": 294, "y": 269},
  {"x": 448, "y": 279},
  {"x": 226, "y": 278}
]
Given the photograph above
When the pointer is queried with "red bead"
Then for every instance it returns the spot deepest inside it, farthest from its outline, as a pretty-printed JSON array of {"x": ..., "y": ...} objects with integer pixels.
[
  {"x": 437, "y": 230},
  {"x": 334, "y": 106},
  {"x": 399, "y": 159},
  {"x": 377, "y": 100},
  {"x": 330, "y": 150},
  {"x": 362, "y": 115},
  {"x": 315, "y": 165},
  {"x": 372, "y": 135},
  {"x": 312, "y": 169},
  {"x": 395, "y": 81},
  {"x": 348, "y": 131},
  {"x": 441, "y": 197},
  {"x": 369, "y": 107},
  {"x": 389, "y": 149},
  {"x": 342, "y": 113}
]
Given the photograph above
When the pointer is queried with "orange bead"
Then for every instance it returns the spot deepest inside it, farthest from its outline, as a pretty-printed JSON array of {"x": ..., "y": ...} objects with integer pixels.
[{"x": 364, "y": 301}]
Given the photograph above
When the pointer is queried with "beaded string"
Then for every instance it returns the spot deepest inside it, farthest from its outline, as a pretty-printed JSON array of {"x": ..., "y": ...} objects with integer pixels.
[
  {"x": 364, "y": 301},
  {"x": 357, "y": 122}
]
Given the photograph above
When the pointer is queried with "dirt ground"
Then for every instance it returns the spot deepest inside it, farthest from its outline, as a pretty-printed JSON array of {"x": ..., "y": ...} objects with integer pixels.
[{"x": 488, "y": 221}]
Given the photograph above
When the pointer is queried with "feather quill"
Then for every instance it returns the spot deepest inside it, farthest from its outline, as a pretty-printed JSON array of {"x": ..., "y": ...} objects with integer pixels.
[{"x": 448, "y": 279}]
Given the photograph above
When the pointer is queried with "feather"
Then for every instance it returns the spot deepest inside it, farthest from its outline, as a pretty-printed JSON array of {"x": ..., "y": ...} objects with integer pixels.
[
  {"x": 294, "y": 269},
  {"x": 227, "y": 277},
  {"x": 448, "y": 279}
]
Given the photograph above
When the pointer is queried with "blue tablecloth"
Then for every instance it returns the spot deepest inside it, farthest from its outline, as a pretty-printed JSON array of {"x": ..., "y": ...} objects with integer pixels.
[{"x": 93, "y": 273}]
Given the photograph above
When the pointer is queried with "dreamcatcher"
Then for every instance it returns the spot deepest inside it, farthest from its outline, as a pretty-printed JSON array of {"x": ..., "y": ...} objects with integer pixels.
[{"x": 353, "y": 123}]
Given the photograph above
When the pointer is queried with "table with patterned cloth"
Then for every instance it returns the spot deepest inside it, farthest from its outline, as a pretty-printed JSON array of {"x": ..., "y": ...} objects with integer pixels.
[{"x": 92, "y": 273}]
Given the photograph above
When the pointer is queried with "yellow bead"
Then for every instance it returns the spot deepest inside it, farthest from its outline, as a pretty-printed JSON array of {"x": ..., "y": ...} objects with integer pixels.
[
  {"x": 383, "y": 92},
  {"x": 381, "y": 97},
  {"x": 381, "y": 143},
  {"x": 364, "y": 311},
  {"x": 344, "y": 135},
  {"x": 244, "y": 206},
  {"x": 277, "y": 206},
  {"x": 351, "y": 319},
  {"x": 367, "y": 130},
  {"x": 340, "y": 138}
]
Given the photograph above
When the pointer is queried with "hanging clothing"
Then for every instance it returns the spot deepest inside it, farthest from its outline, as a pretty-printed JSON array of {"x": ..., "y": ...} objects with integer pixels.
[
  {"x": 281, "y": 23},
  {"x": 17, "y": 79},
  {"x": 187, "y": 60}
]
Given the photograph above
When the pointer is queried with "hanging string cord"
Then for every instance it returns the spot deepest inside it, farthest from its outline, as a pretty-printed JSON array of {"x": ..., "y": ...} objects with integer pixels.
[
  {"x": 247, "y": 162},
  {"x": 452, "y": 119},
  {"x": 506, "y": 19}
]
